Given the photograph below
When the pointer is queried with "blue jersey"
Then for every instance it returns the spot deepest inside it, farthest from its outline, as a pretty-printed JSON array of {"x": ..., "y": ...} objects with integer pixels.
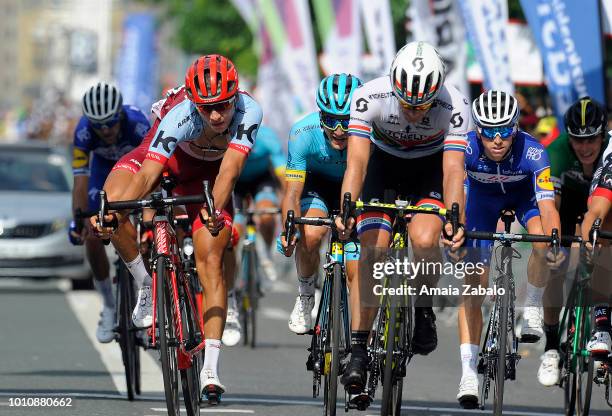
[
  {"x": 524, "y": 172},
  {"x": 267, "y": 153},
  {"x": 181, "y": 123},
  {"x": 133, "y": 127},
  {"x": 311, "y": 153}
]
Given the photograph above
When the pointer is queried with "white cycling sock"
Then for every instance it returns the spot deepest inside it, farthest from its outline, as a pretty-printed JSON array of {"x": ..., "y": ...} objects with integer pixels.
[
  {"x": 211, "y": 355},
  {"x": 534, "y": 295},
  {"x": 306, "y": 286},
  {"x": 105, "y": 289},
  {"x": 469, "y": 357},
  {"x": 139, "y": 272}
]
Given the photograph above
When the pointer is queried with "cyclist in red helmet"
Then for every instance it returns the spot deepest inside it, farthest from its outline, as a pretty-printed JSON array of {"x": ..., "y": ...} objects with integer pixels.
[{"x": 203, "y": 130}]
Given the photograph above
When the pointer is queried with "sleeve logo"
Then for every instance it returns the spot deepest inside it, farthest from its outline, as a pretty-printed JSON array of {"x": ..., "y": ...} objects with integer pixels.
[
  {"x": 456, "y": 120},
  {"x": 168, "y": 143},
  {"x": 248, "y": 133},
  {"x": 79, "y": 158},
  {"x": 361, "y": 105},
  {"x": 543, "y": 181},
  {"x": 533, "y": 153}
]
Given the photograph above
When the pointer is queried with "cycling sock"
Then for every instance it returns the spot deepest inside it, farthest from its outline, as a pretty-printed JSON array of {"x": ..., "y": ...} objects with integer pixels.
[
  {"x": 231, "y": 299},
  {"x": 359, "y": 340},
  {"x": 306, "y": 286},
  {"x": 139, "y": 271},
  {"x": 469, "y": 357},
  {"x": 211, "y": 355},
  {"x": 602, "y": 322},
  {"x": 552, "y": 337},
  {"x": 105, "y": 289},
  {"x": 534, "y": 295}
]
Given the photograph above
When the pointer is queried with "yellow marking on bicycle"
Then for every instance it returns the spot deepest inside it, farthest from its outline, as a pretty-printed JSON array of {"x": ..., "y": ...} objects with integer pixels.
[
  {"x": 337, "y": 249},
  {"x": 251, "y": 230},
  {"x": 327, "y": 366},
  {"x": 246, "y": 303},
  {"x": 413, "y": 208}
]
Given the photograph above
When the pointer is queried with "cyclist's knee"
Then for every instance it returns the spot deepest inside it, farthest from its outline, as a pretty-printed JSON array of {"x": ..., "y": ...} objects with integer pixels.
[{"x": 311, "y": 239}]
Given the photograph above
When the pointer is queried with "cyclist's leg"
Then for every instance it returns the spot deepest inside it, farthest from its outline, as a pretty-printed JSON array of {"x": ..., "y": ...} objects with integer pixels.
[
  {"x": 307, "y": 262},
  {"x": 96, "y": 254},
  {"x": 266, "y": 197},
  {"x": 209, "y": 253}
]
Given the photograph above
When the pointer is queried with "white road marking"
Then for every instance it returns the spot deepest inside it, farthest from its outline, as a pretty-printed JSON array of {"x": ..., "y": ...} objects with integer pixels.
[
  {"x": 87, "y": 306},
  {"x": 208, "y": 410}
]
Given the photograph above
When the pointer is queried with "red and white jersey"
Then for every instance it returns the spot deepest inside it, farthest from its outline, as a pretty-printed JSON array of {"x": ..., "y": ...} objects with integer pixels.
[{"x": 376, "y": 115}]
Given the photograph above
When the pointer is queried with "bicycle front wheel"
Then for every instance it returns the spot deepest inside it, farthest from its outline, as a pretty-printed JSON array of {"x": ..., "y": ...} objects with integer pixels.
[
  {"x": 127, "y": 336},
  {"x": 190, "y": 377},
  {"x": 502, "y": 348},
  {"x": 335, "y": 325},
  {"x": 253, "y": 291},
  {"x": 167, "y": 338},
  {"x": 391, "y": 390},
  {"x": 584, "y": 369}
]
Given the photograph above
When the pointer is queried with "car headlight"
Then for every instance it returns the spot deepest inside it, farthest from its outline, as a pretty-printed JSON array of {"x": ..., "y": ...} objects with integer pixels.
[{"x": 58, "y": 225}]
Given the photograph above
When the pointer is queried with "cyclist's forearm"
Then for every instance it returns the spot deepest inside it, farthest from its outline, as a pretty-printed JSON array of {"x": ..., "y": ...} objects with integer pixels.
[
  {"x": 453, "y": 190},
  {"x": 79, "y": 193},
  {"x": 598, "y": 208},
  {"x": 357, "y": 159},
  {"x": 291, "y": 199},
  {"x": 550, "y": 216}
]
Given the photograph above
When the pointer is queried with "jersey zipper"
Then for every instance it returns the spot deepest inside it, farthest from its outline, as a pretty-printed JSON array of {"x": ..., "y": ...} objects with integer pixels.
[{"x": 501, "y": 183}]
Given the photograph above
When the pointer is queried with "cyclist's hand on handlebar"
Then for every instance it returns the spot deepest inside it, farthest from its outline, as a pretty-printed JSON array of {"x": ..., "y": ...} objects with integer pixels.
[
  {"x": 555, "y": 261},
  {"x": 344, "y": 231},
  {"x": 75, "y": 237},
  {"x": 458, "y": 238},
  {"x": 214, "y": 223},
  {"x": 285, "y": 248},
  {"x": 106, "y": 230}
]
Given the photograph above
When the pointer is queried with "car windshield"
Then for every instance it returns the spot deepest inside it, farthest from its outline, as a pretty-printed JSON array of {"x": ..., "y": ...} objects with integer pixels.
[{"x": 26, "y": 170}]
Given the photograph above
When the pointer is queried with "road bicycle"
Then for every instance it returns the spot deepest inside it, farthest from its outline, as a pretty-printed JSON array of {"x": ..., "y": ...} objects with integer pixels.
[
  {"x": 330, "y": 342},
  {"x": 176, "y": 330},
  {"x": 499, "y": 353},
  {"x": 250, "y": 292},
  {"x": 390, "y": 348},
  {"x": 578, "y": 373}
]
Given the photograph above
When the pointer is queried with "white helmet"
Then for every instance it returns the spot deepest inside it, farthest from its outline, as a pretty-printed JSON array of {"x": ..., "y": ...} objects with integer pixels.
[
  {"x": 495, "y": 108},
  {"x": 102, "y": 102},
  {"x": 417, "y": 73}
]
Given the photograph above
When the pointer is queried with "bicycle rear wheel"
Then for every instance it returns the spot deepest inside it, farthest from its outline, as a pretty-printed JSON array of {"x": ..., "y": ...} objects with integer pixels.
[
  {"x": 335, "y": 325},
  {"x": 584, "y": 370},
  {"x": 190, "y": 377},
  {"x": 127, "y": 336},
  {"x": 502, "y": 348},
  {"x": 167, "y": 338}
]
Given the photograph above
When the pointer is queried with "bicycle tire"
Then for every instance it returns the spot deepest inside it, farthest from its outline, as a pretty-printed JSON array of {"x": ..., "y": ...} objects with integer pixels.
[
  {"x": 584, "y": 382},
  {"x": 335, "y": 320},
  {"x": 127, "y": 337},
  {"x": 502, "y": 346},
  {"x": 569, "y": 379},
  {"x": 386, "y": 406},
  {"x": 253, "y": 291},
  {"x": 165, "y": 323},
  {"x": 190, "y": 376}
]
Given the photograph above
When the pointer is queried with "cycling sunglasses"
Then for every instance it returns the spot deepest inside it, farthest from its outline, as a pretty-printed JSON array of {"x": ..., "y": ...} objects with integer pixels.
[
  {"x": 489, "y": 133},
  {"x": 108, "y": 124},
  {"x": 332, "y": 122},
  {"x": 218, "y": 107},
  {"x": 421, "y": 107}
]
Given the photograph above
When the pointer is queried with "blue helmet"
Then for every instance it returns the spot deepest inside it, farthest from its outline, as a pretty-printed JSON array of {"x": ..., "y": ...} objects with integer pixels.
[{"x": 335, "y": 92}]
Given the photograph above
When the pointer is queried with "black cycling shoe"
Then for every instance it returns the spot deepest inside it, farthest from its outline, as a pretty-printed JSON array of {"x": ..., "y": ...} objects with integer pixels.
[
  {"x": 425, "y": 335},
  {"x": 355, "y": 375}
]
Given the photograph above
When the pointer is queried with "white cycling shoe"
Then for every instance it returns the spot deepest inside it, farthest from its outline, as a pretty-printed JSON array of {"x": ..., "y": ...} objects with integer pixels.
[
  {"x": 300, "y": 320},
  {"x": 269, "y": 269},
  {"x": 142, "y": 316},
  {"x": 232, "y": 333},
  {"x": 106, "y": 324},
  {"x": 531, "y": 330},
  {"x": 548, "y": 373},
  {"x": 468, "y": 392},
  {"x": 600, "y": 343}
]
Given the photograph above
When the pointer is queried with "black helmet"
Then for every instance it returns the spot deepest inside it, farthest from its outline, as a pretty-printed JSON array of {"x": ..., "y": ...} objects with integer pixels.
[{"x": 585, "y": 118}]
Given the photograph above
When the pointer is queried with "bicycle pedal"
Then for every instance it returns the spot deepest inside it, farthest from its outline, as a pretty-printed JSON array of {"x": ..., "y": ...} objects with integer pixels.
[
  {"x": 212, "y": 394},
  {"x": 359, "y": 401},
  {"x": 529, "y": 339},
  {"x": 481, "y": 366}
]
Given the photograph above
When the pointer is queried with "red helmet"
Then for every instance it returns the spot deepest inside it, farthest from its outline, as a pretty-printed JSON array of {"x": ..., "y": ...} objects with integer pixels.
[{"x": 211, "y": 79}]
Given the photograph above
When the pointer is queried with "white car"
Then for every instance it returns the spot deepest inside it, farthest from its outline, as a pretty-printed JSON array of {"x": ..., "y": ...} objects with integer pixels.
[{"x": 35, "y": 210}]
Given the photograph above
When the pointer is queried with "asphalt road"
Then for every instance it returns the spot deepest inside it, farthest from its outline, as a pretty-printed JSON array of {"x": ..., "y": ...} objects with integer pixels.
[{"x": 48, "y": 349}]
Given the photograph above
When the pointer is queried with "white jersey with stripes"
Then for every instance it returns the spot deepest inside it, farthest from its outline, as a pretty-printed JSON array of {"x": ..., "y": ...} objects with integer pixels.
[{"x": 376, "y": 115}]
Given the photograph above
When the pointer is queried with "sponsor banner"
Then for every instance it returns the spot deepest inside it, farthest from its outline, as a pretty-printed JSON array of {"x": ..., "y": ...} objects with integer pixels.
[
  {"x": 606, "y": 12},
  {"x": 288, "y": 23},
  {"x": 340, "y": 29},
  {"x": 486, "y": 22},
  {"x": 568, "y": 35},
  {"x": 137, "y": 81},
  {"x": 379, "y": 35},
  {"x": 439, "y": 22}
]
